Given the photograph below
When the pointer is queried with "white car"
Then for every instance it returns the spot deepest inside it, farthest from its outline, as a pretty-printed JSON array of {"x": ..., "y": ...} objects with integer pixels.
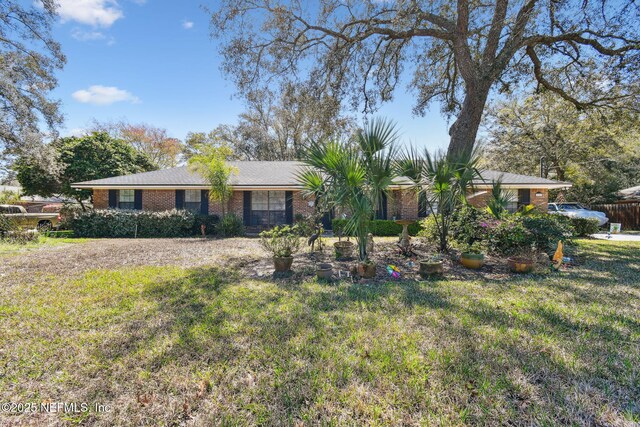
[{"x": 576, "y": 210}]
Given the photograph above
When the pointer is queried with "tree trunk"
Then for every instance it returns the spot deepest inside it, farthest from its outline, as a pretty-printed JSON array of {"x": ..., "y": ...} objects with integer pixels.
[{"x": 464, "y": 130}]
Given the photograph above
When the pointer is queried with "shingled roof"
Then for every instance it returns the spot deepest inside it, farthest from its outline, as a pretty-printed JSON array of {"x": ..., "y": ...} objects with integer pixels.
[{"x": 275, "y": 174}]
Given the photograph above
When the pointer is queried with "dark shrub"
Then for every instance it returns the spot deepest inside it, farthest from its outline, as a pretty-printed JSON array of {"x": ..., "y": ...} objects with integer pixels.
[
  {"x": 547, "y": 230},
  {"x": 379, "y": 227},
  {"x": 230, "y": 226},
  {"x": 584, "y": 227},
  {"x": 508, "y": 236},
  {"x": 124, "y": 223},
  {"x": 209, "y": 221}
]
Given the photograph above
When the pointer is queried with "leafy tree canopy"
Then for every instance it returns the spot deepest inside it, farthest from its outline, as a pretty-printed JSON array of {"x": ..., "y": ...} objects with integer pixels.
[
  {"x": 152, "y": 141},
  {"x": 595, "y": 150},
  {"x": 457, "y": 53},
  {"x": 69, "y": 160},
  {"x": 29, "y": 58}
]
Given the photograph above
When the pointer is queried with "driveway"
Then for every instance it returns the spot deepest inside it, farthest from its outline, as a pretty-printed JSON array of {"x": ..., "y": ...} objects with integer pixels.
[{"x": 623, "y": 237}]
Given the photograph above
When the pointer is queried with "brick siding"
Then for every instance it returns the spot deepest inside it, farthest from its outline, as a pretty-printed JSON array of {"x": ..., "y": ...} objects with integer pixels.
[
  {"x": 100, "y": 199},
  {"x": 158, "y": 200},
  {"x": 401, "y": 204}
]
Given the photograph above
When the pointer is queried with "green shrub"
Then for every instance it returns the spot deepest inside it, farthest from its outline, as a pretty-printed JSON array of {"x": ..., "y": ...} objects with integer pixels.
[
  {"x": 584, "y": 227},
  {"x": 470, "y": 225},
  {"x": 508, "y": 236},
  {"x": 125, "y": 223},
  {"x": 209, "y": 221},
  {"x": 547, "y": 230},
  {"x": 230, "y": 225},
  {"x": 429, "y": 229},
  {"x": 281, "y": 241},
  {"x": 379, "y": 227},
  {"x": 306, "y": 224}
]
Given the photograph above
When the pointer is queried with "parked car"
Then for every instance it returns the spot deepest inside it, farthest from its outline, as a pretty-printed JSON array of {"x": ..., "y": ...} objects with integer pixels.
[
  {"x": 41, "y": 221},
  {"x": 576, "y": 210}
]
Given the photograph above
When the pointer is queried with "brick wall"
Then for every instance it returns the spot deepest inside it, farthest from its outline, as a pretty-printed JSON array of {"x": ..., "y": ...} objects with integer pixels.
[
  {"x": 540, "y": 202},
  {"x": 405, "y": 205},
  {"x": 301, "y": 204},
  {"x": 483, "y": 195},
  {"x": 100, "y": 199},
  {"x": 158, "y": 200}
]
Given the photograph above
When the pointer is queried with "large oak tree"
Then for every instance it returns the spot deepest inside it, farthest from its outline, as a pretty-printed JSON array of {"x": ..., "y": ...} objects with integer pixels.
[{"x": 456, "y": 52}]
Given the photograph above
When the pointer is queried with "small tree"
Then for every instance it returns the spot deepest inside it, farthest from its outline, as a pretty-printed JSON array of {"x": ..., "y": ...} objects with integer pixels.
[
  {"x": 445, "y": 181},
  {"x": 498, "y": 203},
  {"x": 353, "y": 175},
  {"x": 211, "y": 163}
]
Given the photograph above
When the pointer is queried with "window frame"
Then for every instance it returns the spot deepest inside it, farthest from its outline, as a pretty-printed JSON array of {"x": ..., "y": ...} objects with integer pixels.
[
  {"x": 126, "y": 204},
  {"x": 193, "y": 206},
  {"x": 268, "y": 217}
]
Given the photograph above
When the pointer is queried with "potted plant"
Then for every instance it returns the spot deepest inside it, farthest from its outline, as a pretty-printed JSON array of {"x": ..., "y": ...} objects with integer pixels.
[
  {"x": 432, "y": 266},
  {"x": 324, "y": 271},
  {"x": 343, "y": 249},
  {"x": 523, "y": 261},
  {"x": 472, "y": 256},
  {"x": 282, "y": 242}
]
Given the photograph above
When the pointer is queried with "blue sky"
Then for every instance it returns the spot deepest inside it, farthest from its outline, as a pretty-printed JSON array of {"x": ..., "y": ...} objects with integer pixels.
[{"x": 153, "y": 61}]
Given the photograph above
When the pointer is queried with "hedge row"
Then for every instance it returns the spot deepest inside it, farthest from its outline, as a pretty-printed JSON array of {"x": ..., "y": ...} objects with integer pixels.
[
  {"x": 379, "y": 227},
  {"x": 126, "y": 223}
]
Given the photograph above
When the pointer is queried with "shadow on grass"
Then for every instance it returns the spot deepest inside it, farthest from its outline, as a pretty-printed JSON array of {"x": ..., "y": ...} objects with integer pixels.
[{"x": 307, "y": 342}]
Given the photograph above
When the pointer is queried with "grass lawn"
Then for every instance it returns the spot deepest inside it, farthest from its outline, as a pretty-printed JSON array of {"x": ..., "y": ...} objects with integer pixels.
[{"x": 167, "y": 345}]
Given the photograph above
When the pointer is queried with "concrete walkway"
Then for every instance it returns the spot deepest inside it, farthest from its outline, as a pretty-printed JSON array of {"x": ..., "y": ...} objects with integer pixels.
[{"x": 627, "y": 237}]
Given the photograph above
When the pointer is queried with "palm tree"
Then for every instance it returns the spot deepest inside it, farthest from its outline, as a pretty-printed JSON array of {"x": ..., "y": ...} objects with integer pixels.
[
  {"x": 353, "y": 175},
  {"x": 445, "y": 179}
]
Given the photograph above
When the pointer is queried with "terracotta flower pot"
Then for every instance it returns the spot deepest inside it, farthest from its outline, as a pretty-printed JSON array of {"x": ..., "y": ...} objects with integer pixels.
[
  {"x": 472, "y": 261},
  {"x": 520, "y": 264},
  {"x": 430, "y": 268},
  {"x": 324, "y": 271},
  {"x": 282, "y": 263},
  {"x": 366, "y": 270},
  {"x": 343, "y": 250}
]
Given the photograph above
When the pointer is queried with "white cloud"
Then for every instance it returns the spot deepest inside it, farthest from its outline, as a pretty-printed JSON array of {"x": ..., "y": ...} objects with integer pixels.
[
  {"x": 104, "y": 95},
  {"x": 99, "y": 13},
  {"x": 89, "y": 36},
  {"x": 187, "y": 25},
  {"x": 84, "y": 36}
]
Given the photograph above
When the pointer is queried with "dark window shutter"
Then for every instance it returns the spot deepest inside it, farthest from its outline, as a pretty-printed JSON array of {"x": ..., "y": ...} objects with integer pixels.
[
  {"x": 246, "y": 208},
  {"x": 381, "y": 212},
  {"x": 179, "y": 199},
  {"x": 422, "y": 204},
  {"x": 137, "y": 200},
  {"x": 524, "y": 196},
  {"x": 113, "y": 199},
  {"x": 288, "y": 213},
  {"x": 204, "y": 202}
]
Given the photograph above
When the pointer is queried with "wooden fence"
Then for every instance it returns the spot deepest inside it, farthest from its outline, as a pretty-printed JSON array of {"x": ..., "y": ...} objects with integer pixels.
[{"x": 627, "y": 214}]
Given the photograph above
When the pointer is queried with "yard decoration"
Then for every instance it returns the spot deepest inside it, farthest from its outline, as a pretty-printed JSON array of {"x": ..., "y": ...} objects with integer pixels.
[
  {"x": 472, "y": 256},
  {"x": 315, "y": 236},
  {"x": 324, "y": 271},
  {"x": 558, "y": 257},
  {"x": 393, "y": 271},
  {"x": 433, "y": 266},
  {"x": 405, "y": 241},
  {"x": 282, "y": 242}
]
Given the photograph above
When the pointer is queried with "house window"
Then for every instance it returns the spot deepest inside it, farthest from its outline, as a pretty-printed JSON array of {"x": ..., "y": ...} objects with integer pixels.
[
  {"x": 126, "y": 199},
  {"x": 192, "y": 200},
  {"x": 268, "y": 208}
]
